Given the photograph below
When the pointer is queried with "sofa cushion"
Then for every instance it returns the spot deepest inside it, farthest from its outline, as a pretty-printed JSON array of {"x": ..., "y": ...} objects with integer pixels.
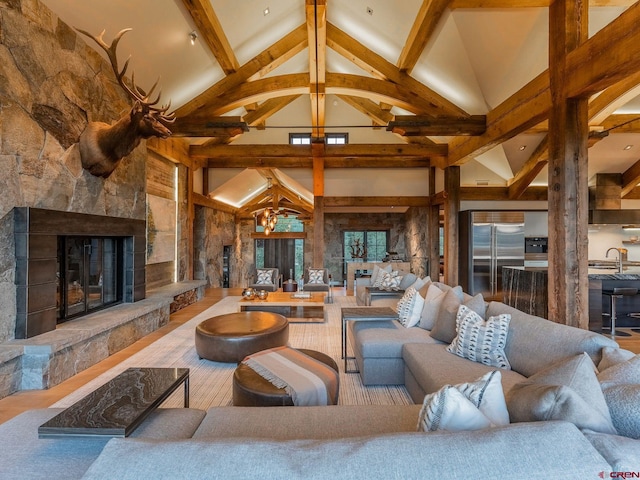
[
  {"x": 623, "y": 402},
  {"x": 408, "y": 279},
  {"x": 612, "y": 356},
  {"x": 568, "y": 390},
  {"x": 385, "y": 339},
  {"x": 481, "y": 340},
  {"x": 621, "y": 373},
  {"x": 306, "y": 423},
  {"x": 432, "y": 300},
  {"x": 409, "y": 308},
  {"x": 622, "y": 453},
  {"x": 534, "y": 343},
  {"x": 445, "y": 324},
  {"x": 479, "y": 454},
  {"x": 433, "y": 367},
  {"x": 377, "y": 274}
]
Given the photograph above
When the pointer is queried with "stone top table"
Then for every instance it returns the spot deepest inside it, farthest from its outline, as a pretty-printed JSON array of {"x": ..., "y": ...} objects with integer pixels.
[{"x": 117, "y": 408}]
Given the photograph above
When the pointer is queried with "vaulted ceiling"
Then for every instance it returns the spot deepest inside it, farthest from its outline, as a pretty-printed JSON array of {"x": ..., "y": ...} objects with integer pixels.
[{"x": 406, "y": 79}]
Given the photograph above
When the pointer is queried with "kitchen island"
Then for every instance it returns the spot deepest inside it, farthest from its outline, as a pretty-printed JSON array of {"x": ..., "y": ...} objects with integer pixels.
[{"x": 525, "y": 288}]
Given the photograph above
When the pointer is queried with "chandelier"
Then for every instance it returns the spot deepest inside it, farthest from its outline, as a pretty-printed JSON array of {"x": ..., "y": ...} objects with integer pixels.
[{"x": 269, "y": 220}]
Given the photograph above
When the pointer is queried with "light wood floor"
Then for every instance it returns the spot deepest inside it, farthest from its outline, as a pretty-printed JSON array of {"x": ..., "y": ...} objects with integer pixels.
[{"x": 31, "y": 399}]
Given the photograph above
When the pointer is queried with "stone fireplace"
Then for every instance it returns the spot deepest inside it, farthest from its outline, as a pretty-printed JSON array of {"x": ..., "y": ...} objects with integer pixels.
[{"x": 70, "y": 264}]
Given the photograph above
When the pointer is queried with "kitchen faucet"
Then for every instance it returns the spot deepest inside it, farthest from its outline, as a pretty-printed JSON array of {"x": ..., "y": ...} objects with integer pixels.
[{"x": 619, "y": 250}]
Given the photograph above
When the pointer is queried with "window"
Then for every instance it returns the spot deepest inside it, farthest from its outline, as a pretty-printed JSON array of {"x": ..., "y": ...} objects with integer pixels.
[
  {"x": 289, "y": 223},
  {"x": 299, "y": 139},
  {"x": 329, "y": 138},
  {"x": 365, "y": 246},
  {"x": 336, "y": 138}
]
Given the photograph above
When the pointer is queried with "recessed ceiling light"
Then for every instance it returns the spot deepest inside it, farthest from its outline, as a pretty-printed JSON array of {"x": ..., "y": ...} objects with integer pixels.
[
  {"x": 266, "y": 11},
  {"x": 628, "y": 147},
  {"x": 482, "y": 182},
  {"x": 193, "y": 36},
  {"x": 522, "y": 147},
  {"x": 370, "y": 10}
]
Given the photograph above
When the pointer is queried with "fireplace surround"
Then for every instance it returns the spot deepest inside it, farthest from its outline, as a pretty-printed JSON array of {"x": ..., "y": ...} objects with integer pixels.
[{"x": 41, "y": 236}]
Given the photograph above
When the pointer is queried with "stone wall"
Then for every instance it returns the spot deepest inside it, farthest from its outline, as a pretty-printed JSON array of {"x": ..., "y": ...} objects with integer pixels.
[
  {"x": 417, "y": 238},
  {"x": 213, "y": 230},
  {"x": 51, "y": 85}
]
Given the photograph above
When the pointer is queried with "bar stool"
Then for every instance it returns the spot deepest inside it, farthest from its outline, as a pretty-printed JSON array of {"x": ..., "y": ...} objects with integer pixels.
[{"x": 614, "y": 294}]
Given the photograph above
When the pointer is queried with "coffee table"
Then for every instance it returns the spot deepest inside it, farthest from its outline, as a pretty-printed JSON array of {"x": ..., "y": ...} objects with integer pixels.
[
  {"x": 119, "y": 406},
  {"x": 288, "y": 305}
]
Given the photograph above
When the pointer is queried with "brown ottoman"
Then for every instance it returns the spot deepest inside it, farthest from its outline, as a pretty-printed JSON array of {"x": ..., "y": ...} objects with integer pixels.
[
  {"x": 231, "y": 337},
  {"x": 252, "y": 390}
]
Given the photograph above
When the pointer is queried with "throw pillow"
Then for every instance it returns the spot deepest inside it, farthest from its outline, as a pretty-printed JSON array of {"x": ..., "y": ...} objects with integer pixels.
[
  {"x": 623, "y": 401},
  {"x": 419, "y": 283},
  {"x": 612, "y": 356},
  {"x": 432, "y": 301},
  {"x": 377, "y": 272},
  {"x": 445, "y": 326},
  {"x": 409, "y": 308},
  {"x": 408, "y": 279},
  {"x": 264, "y": 277},
  {"x": 486, "y": 393},
  {"x": 316, "y": 275},
  {"x": 622, "y": 373},
  {"x": 390, "y": 281},
  {"x": 481, "y": 340},
  {"x": 448, "y": 409},
  {"x": 466, "y": 406},
  {"x": 567, "y": 390}
]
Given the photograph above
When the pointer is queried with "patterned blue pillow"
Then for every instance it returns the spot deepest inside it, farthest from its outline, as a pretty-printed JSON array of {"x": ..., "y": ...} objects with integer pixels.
[{"x": 316, "y": 275}]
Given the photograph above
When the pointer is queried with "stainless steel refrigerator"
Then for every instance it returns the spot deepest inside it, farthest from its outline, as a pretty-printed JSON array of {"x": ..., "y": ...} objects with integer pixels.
[{"x": 488, "y": 242}]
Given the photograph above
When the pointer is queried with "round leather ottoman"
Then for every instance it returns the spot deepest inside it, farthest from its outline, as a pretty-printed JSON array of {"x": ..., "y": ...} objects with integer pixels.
[
  {"x": 231, "y": 337},
  {"x": 252, "y": 390}
]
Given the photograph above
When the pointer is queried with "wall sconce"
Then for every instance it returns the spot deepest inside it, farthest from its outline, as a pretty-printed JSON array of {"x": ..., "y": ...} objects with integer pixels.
[{"x": 193, "y": 36}]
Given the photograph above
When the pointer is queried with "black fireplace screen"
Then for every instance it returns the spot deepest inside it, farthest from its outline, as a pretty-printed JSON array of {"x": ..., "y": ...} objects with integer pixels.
[{"x": 89, "y": 277}]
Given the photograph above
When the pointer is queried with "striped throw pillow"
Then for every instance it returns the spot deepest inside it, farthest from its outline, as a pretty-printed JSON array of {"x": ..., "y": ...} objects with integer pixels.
[
  {"x": 409, "y": 308},
  {"x": 481, "y": 340}
]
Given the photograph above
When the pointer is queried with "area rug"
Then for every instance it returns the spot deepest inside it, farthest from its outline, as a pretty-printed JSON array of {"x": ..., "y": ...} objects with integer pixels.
[{"x": 211, "y": 382}]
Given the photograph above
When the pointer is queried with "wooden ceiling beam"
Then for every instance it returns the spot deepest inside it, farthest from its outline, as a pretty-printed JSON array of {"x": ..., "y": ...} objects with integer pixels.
[
  {"x": 627, "y": 123},
  {"x": 375, "y": 64},
  {"x": 454, "y": 4},
  {"x": 396, "y": 201},
  {"x": 424, "y": 25},
  {"x": 199, "y": 126},
  {"x": 371, "y": 109},
  {"x": 501, "y": 193},
  {"x": 316, "y": 15},
  {"x": 630, "y": 179},
  {"x": 204, "y": 201},
  {"x": 425, "y": 125},
  {"x": 307, "y": 162},
  {"x": 267, "y": 108},
  {"x": 212, "y": 33},
  {"x": 530, "y": 170},
  {"x": 270, "y": 58},
  {"x": 608, "y": 101}
]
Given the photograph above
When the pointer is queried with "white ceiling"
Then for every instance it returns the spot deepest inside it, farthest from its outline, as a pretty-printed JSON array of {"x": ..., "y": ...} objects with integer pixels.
[{"x": 477, "y": 58}]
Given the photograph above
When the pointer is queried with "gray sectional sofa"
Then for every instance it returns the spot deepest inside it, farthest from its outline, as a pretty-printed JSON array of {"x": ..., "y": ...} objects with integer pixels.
[{"x": 376, "y": 441}]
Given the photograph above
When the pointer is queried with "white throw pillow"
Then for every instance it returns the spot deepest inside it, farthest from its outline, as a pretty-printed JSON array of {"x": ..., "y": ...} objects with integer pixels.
[
  {"x": 466, "y": 406},
  {"x": 448, "y": 409},
  {"x": 409, "y": 308},
  {"x": 613, "y": 356},
  {"x": 419, "y": 283},
  {"x": 481, "y": 340},
  {"x": 377, "y": 272},
  {"x": 264, "y": 277},
  {"x": 316, "y": 275}
]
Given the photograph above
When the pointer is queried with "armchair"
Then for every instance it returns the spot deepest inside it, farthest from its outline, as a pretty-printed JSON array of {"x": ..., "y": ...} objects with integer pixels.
[
  {"x": 265, "y": 281},
  {"x": 313, "y": 282}
]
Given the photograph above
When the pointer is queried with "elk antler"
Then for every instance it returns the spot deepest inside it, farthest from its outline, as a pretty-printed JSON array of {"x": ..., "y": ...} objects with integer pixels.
[{"x": 134, "y": 92}]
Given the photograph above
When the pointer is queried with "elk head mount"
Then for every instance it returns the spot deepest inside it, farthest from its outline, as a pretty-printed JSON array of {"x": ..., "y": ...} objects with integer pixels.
[{"x": 102, "y": 146}]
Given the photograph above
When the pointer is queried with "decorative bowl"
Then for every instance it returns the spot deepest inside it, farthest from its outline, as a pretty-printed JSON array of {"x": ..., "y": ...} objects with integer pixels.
[
  {"x": 248, "y": 293},
  {"x": 262, "y": 294}
]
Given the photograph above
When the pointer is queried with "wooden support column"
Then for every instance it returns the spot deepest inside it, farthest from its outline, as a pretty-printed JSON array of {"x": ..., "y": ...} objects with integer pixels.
[
  {"x": 568, "y": 181},
  {"x": 434, "y": 229},
  {"x": 451, "y": 211},
  {"x": 317, "y": 149},
  {"x": 191, "y": 213}
]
